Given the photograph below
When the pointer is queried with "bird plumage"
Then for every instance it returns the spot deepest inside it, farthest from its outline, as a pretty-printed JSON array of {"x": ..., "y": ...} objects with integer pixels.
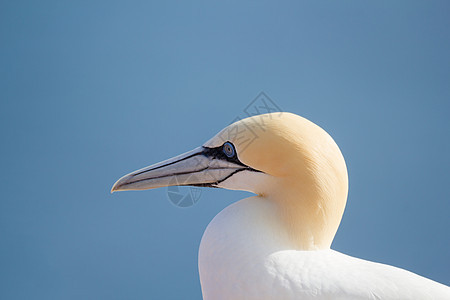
[
  {"x": 244, "y": 254},
  {"x": 276, "y": 245}
]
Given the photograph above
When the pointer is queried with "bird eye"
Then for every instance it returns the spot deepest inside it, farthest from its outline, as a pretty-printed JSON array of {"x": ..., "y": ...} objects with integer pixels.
[{"x": 228, "y": 149}]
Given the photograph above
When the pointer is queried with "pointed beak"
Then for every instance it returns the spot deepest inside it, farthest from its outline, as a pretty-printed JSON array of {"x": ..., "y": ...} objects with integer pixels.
[{"x": 197, "y": 168}]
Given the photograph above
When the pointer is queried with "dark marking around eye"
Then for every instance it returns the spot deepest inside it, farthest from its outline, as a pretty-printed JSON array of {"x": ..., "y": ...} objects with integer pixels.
[{"x": 220, "y": 153}]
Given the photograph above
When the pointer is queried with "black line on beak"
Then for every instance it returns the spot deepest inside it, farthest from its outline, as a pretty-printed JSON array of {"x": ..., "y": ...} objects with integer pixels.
[{"x": 171, "y": 163}]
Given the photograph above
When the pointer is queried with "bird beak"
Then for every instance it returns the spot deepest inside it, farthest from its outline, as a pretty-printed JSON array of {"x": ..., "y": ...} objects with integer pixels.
[{"x": 198, "y": 167}]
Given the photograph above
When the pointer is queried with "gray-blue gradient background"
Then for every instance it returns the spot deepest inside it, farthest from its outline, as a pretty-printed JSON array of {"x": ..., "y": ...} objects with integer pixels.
[{"x": 91, "y": 90}]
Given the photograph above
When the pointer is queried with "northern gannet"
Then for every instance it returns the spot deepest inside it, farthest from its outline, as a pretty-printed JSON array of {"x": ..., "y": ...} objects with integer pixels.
[{"x": 276, "y": 245}]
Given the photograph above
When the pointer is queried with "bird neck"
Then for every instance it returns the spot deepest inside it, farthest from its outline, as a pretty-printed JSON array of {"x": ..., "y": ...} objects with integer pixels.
[{"x": 310, "y": 213}]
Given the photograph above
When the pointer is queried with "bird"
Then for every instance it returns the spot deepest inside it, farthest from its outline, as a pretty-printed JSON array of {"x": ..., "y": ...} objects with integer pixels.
[{"x": 277, "y": 243}]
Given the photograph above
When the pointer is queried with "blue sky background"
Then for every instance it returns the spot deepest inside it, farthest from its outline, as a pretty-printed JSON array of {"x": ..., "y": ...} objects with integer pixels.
[{"x": 91, "y": 90}]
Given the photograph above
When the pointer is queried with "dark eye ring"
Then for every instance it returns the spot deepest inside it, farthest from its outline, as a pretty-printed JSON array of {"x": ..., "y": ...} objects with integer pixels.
[{"x": 228, "y": 149}]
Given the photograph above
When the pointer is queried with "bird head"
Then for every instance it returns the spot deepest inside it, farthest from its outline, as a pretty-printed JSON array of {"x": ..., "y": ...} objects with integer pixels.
[
  {"x": 248, "y": 155},
  {"x": 281, "y": 156}
]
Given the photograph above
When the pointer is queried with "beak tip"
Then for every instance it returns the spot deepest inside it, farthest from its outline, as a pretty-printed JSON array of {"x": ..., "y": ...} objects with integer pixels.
[{"x": 115, "y": 187}]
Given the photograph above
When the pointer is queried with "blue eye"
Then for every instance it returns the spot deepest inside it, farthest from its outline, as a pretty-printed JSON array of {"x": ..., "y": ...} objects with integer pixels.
[{"x": 228, "y": 149}]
